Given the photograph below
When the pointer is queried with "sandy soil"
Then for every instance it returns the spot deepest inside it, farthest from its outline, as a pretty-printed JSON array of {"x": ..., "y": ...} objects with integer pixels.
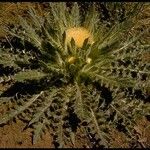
[{"x": 13, "y": 136}]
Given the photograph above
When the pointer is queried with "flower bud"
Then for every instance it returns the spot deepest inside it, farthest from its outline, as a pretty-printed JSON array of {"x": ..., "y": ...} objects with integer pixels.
[
  {"x": 71, "y": 60},
  {"x": 88, "y": 60}
]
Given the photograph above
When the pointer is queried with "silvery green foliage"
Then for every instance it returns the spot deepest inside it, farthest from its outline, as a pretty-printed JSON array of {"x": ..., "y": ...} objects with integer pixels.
[{"x": 97, "y": 95}]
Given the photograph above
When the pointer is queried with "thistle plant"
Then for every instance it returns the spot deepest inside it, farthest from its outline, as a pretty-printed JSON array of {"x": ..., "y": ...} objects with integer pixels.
[{"x": 80, "y": 74}]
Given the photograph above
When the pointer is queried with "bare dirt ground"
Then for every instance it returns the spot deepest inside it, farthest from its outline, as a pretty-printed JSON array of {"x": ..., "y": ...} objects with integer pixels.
[{"x": 13, "y": 136}]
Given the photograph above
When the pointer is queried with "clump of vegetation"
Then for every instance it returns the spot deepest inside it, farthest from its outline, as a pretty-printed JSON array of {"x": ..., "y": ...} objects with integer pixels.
[{"x": 76, "y": 71}]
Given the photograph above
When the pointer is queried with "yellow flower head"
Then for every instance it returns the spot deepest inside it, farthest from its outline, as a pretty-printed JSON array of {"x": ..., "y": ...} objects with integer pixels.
[{"x": 79, "y": 34}]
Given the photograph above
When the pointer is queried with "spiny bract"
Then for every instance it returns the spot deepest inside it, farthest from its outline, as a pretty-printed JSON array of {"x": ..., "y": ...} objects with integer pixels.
[{"x": 84, "y": 73}]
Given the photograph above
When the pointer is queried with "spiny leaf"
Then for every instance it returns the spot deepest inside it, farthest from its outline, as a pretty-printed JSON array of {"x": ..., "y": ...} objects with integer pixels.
[
  {"x": 37, "y": 20},
  {"x": 120, "y": 82},
  {"x": 41, "y": 110},
  {"x": 92, "y": 16},
  {"x": 79, "y": 102},
  {"x": 7, "y": 59},
  {"x": 29, "y": 75},
  {"x": 19, "y": 109},
  {"x": 31, "y": 33},
  {"x": 75, "y": 15},
  {"x": 100, "y": 133},
  {"x": 38, "y": 130}
]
